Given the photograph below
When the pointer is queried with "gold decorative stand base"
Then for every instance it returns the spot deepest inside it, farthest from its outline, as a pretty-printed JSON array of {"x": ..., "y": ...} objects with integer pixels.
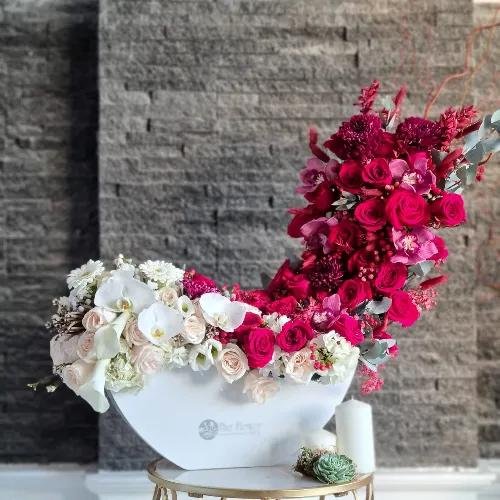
[{"x": 266, "y": 483}]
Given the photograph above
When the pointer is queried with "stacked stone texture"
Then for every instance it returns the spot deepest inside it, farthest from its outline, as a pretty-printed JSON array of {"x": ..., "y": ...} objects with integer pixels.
[
  {"x": 205, "y": 107},
  {"x": 48, "y": 214}
]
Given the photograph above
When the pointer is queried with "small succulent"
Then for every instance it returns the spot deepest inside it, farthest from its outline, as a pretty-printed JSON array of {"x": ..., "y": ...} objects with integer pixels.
[{"x": 334, "y": 469}]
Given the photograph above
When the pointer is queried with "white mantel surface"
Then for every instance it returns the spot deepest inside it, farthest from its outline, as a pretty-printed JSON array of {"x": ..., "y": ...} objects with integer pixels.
[{"x": 32, "y": 482}]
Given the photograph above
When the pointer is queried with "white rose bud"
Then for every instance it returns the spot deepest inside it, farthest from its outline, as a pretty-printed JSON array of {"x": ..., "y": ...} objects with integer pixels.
[
  {"x": 233, "y": 363},
  {"x": 168, "y": 296},
  {"x": 258, "y": 388},
  {"x": 147, "y": 359},
  {"x": 85, "y": 348},
  {"x": 194, "y": 329},
  {"x": 76, "y": 374},
  {"x": 97, "y": 317},
  {"x": 133, "y": 335},
  {"x": 63, "y": 348}
]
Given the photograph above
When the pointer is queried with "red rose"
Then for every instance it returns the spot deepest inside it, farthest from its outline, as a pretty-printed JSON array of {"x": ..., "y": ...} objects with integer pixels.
[
  {"x": 406, "y": 208},
  {"x": 391, "y": 277},
  {"x": 322, "y": 197},
  {"x": 286, "y": 282},
  {"x": 442, "y": 253},
  {"x": 354, "y": 291},
  {"x": 345, "y": 235},
  {"x": 350, "y": 177},
  {"x": 449, "y": 210},
  {"x": 377, "y": 173},
  {"x": 250, "y": 322},
  {"x": 402, "y": 309},
  {"x": 294, "y": 335},
  {"x": 348, "y": 327},
  {"x": 301, "y": 216},
  {"x": 259, "y": 347},
  {"x": 285, "y": 306},
  {"x": 371, "y": 214}
]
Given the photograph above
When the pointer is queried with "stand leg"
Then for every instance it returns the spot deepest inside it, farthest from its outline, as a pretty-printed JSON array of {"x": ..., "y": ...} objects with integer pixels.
[
  {"x": 369, "y": 491},
  {"x": 157, "y": 493}
]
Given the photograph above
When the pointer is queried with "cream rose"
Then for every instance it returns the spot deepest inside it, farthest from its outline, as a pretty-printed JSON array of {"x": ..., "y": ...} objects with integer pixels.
[
  {"x": 97, "y": 317},
  {"x": 133, "y": 335},
  {"x": 63, "y": 349},
  {"x": 258, "y": 388},
  {"x": 76, "y": 374},
  {"x": 194, "y": 329},
  {"x": 147, "y": 359},
  {"x": 85, "y": 347},
  {"x": 299, "y": 367},
  {"x": 233, "y": 363},
  {"x": 168, "y": 295}
]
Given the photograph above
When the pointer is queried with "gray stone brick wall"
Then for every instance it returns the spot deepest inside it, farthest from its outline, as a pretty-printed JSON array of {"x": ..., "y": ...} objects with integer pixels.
[
  {"x": 48, "y": 213},
  {"x": 205, "y": 107}
]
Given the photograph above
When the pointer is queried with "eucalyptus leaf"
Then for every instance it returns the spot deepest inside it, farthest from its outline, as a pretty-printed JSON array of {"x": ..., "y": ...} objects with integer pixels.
[
  {"x": 495, "y": 117},
  {"x": 378, "y": 307},
  {"x": 422, "y": 269}
]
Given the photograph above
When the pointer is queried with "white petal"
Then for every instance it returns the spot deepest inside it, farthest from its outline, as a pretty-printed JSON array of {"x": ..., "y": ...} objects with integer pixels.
[
  {"x": 235, "y": 312},
  {"x": 93, "y": 389},
  {"x": 213, "y": 303},
  {"x": 107, "y": 338},
  {"x": 159, "y": 323}
]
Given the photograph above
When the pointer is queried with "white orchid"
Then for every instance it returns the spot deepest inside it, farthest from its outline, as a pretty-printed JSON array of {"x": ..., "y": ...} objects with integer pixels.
[
  {"x": 159, "y": 323},
  {"x": 203, "y": 356},
  {"x": 185, "y": 305},
  {"x": 107, "y": 338},
  {"x": 123, "y": 293},
  {"x": 221, "y": 312}
]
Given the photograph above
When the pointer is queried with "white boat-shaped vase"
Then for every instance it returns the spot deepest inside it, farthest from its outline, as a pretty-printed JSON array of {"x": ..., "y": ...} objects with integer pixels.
[{"x": 199, "y": 421}]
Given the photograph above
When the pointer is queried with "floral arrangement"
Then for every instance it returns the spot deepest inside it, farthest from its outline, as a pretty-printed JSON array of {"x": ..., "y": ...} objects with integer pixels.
[
  {"x": 325, "y": 466},
  {"x": 378, "y": 191}
]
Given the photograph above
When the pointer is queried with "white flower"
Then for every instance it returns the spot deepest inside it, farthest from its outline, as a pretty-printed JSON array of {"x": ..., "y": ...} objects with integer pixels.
[
  {"x": 159, "y": 323},
  {"x": 121, "y": 292},
  {"x": 63, "y": 349},
  {"x": 299, "y": 367},
  {"x": 97, "y": 317},
  {"x": 194, "y": 329},
  {"x": 86, "y": 347},
  {"x": 185, "y": 305},
  {"x": 107, "y": 338},
  {"x": 161, "y": 271},
  {"x": 176, "y": 356},
  {"x": 203, "y": 356},
  {"x": 167, "y": 295},
  {"x": 133, "y": 335},
  {"x": 87, "y": 381},
  {"x": 219, "y": 311},
  {"x": 258, "y": 388},
  {"x": 233, "y": 363},
  {"x": 343, "y": 356},
  {"x": 85, "y": 275},
  {"x": 121, "y": 374},
  {"x": 124, "y": 264},
  {"x": 147, "y": 359},
  {"x": 275, "y": 322}
]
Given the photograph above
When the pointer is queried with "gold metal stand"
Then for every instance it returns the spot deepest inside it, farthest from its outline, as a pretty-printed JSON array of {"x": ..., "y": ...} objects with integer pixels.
[{"x": 169, "y": 481}]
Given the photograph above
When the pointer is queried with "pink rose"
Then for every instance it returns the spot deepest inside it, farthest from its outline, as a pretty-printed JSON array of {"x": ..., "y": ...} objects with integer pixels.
[
  {"x": 133, "y": 335},
  {"x": 391, "y": 277},
  {"x": 402, "y": 309},
  {"x": 377, "y": 173},
  {"x": 147, "y": 359},
  {"x": 406, "y": 208},
  {"x": 63, "y": 349},
  {"x": 371, "y": 214},
  {"x": 258, "y": 345},
  {"x": 354, "y": 291},
  {"x": 449, "y": 210},
  {"x": 85, "y": 348},
  {"x": 76, "y": 374},
  {"x": 97, "y": 317},
  {"x": 232, "y": 363},
  {"x": 294, "y": 335},
  {"x": 348, "y": 327}
]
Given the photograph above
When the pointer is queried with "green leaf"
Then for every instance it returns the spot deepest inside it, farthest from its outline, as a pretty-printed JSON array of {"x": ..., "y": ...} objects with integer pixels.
[
  {"x": 495, "y": 117},
  {"x": 422, "y": 269},
  {"x": 378, "y": 307}
]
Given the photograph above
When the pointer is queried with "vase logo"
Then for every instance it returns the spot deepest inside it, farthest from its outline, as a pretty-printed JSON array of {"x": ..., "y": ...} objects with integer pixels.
[{"x": 208, "y": 429}]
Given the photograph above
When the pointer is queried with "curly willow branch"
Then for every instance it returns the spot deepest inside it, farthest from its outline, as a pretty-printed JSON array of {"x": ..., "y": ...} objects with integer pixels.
[{"x": 468, "y": 52}]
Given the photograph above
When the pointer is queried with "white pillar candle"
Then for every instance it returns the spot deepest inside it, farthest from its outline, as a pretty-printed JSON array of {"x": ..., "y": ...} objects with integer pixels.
[{"x": 355, "y": 434}]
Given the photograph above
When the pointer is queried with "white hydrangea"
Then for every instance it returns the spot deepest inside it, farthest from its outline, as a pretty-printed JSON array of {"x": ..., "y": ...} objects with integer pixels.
[
  {"x": 275, "y": 321},
  {"x": 81, "y": 277},
  {"x": 175, "y": 357},
  {"x": 344, "y": 358},
  {"x": 161, "y": 271}
]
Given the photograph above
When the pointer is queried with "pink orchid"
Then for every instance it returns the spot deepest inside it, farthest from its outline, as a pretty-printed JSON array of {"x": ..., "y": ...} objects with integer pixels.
[
  {"x": 413, "y": 246},
  {"x": 414, "y": 176},
  {"x": 323, "y": 320},
  {"x": 315, "y": 172},
  {"x": 316, "y": 232}
]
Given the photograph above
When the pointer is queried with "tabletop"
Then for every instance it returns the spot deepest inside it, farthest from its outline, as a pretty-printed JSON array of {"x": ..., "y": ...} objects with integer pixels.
[{"x": 253, "y": 482}]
